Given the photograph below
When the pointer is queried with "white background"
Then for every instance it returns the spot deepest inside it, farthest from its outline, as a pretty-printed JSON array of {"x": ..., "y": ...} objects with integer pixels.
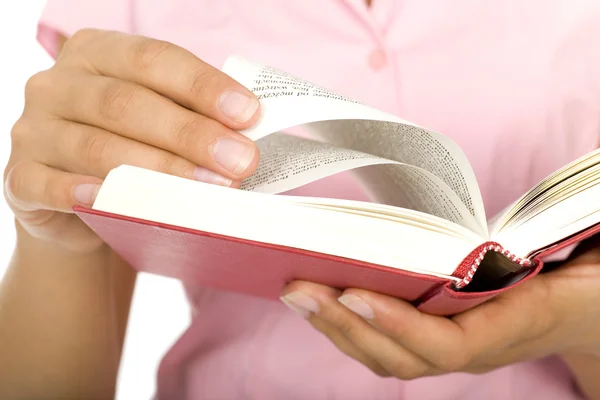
[{"x": 159, "y": 311}]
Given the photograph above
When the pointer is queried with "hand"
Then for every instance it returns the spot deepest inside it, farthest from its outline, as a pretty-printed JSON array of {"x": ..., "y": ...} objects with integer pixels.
[
  {"x": 553, "y": 313},
  {"x": 115, "y": 99}
]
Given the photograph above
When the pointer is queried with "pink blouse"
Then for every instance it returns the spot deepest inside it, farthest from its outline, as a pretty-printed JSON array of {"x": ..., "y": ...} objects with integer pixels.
[{"x": 515, "y": 83}]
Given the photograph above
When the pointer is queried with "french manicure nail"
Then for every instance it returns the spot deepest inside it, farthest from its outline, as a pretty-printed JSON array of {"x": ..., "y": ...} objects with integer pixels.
[
  {"x": 301, "y": 303},
  {"x": 233, "y": 155},
  {"x": 357, "y": 305},
  {"x": 207, "y": 176},
  {"x": 85, "y": 193},
  {"x": 237, "y": 105}
]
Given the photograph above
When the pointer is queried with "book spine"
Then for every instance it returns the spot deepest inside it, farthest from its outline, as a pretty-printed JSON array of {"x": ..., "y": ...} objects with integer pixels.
[{"x": 470, "y": 273}]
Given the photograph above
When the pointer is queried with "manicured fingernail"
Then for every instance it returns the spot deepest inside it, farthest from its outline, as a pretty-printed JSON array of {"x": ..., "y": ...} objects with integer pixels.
[
  {"x": 85, "y": 193},
  {"x": 237, "y": 105},
  {"x": 301, "y": 303},
  {"x": 233, "y": 155},
  {"x": 206, "y": 175},
  {"x": 357, "y": 305}
]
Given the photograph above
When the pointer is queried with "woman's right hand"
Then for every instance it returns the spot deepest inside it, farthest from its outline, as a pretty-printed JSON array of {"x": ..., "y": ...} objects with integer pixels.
[{"x": 114, "y": 99}]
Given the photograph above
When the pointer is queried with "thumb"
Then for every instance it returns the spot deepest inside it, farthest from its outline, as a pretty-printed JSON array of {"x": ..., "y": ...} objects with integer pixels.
[
  {"x": 42, "y": 199},
  {"x": 31, "y": 186}
]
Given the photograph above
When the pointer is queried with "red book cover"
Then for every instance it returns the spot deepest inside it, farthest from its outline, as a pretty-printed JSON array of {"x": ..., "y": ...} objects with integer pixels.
[{"x": 261, "y": 269}]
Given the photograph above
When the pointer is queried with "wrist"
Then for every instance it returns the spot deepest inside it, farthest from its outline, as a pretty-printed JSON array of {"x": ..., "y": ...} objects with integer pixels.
[
  {"x": 585, "y": 368},
  {"x": 40, "y": 259},
  {"x": 73, "y": 307},
  {"x": 30, "y": 245}
]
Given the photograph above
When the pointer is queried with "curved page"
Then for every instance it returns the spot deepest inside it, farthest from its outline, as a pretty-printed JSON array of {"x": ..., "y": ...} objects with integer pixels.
[
  {"x": 287, "y": 101},
  {"x": 288, "y": 162}
]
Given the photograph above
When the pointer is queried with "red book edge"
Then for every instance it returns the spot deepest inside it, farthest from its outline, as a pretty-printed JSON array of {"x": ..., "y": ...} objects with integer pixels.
[
  {"x": 443, "y": 299},
  {"x": 448, "y": 301}
]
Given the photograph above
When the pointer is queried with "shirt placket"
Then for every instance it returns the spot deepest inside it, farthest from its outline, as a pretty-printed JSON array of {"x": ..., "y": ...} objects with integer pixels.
[{"x": 377, "y": 20}]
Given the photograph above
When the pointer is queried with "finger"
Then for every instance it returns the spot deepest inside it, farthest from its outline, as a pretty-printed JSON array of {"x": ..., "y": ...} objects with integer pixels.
[
  {"x": 469, "y": 340},
  {"x": 397, "y": 360},
  {"x": 438, "y": 340},
  {"x": 530, "y": 320},
  {"x": 93, "y": 151},
  {"x": 42, "y": 198},
  {"x": 169, "y": 70},
  {"x": 553, "y": 316},
  {"x": 524, "y": 315},
  {"x": 346, "y": 346},
  {"x": 31, "y": 186},
  {"x": 337, "y": 338},
  {"x": 138, "y": 113}
]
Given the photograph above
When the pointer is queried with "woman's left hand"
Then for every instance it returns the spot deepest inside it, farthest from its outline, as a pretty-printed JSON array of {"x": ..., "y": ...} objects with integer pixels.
[{"x": 554, "y": 313}]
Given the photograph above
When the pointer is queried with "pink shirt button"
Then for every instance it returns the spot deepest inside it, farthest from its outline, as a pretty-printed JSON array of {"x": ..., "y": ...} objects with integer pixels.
[{"x": 377, "y": 59}]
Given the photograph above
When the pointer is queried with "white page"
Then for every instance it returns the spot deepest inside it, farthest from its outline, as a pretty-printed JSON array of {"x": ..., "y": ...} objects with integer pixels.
[
  {"x": 256, "y": 216},
  {"x": 287, "y": 101},
  {"x": 400, "y": 215},
  {"x": 556, "y": 179},
  {"x": 288, "y": 162},
  {"x": 404, "y": 143},
  {"x": 496, "y": 221},
  {"x": 563, "y": 219},
  {"x": 413, "y": 188}
]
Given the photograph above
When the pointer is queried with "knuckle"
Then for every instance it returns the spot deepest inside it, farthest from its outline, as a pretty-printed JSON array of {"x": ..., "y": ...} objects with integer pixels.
[
  {"x": 18, "y": 133},
  {"x": 186, "y": 134},
  {"x": 115, "y": 100},
  {"x": 94, "y": 148},
  {"x": 170, "y": 164},
  {"x": 146, "y": 51},
  {"x": 351, "y": 330},
  {"x": 201, "y": 79},
  {"x": 37, "y": 84},
  {"x": 79, "y": 39},
  {"x": 54, "y": 195}
]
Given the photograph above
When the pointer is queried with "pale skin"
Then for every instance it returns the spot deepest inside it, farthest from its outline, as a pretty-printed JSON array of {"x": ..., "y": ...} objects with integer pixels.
[{"x": 65, "y": 300}]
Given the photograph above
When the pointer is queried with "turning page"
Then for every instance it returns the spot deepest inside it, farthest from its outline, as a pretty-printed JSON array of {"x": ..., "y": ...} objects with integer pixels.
[
  {"x": 287, "y": 162},
  {"x": 287, "y": 101}
]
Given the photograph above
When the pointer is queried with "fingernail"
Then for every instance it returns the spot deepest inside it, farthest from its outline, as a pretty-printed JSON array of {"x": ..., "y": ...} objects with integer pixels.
[
  {"x": 207, "y": 176},
  {"x": 357, "y": 305},
  {"x": 301, "y": 303},
  {"x": 85, "y": 193},
  {"x": 233, "y": 155},
  {"x": 237, "y": 106}
]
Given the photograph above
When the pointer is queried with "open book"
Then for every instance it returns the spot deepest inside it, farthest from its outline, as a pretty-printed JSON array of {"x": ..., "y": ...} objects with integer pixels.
[{"x": 425, "y": 236}]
